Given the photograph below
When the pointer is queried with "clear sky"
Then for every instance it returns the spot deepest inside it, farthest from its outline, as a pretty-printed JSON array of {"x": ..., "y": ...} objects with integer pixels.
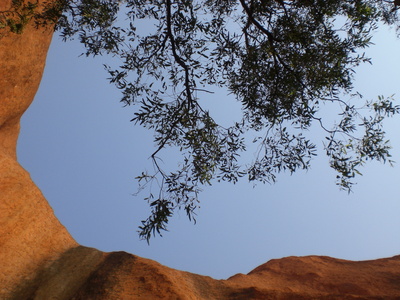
[{"x": 83, "y": 153}]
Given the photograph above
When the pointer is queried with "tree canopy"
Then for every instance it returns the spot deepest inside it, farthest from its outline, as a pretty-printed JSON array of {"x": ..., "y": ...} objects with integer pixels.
[{"x": 283, "y": 61}]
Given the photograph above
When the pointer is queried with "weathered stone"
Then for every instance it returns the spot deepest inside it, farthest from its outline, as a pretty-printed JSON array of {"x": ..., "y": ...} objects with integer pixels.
[{"x": 30, "y": 234}]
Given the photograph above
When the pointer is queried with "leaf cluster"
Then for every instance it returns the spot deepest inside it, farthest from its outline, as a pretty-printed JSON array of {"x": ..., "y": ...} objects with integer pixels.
[
  {"x": 281, "y": 60},
  {"x": 18, "y": 16}
]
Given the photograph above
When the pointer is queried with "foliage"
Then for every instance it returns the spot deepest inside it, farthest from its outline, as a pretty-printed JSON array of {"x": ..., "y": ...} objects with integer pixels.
[
  {"x": 282, "y": 61},
  {"x": 18, "y": 16},
  {"x": 21, "y": 13}
]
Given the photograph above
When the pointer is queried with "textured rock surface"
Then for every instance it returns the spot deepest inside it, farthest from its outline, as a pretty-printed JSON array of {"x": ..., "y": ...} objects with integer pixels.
[
  {"x": 30, "y": 234},
  {"x": 40, "y": 260}
]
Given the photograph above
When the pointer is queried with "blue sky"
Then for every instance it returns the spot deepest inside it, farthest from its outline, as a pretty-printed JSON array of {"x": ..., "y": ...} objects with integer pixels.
[{"x": 83, "y": 153}]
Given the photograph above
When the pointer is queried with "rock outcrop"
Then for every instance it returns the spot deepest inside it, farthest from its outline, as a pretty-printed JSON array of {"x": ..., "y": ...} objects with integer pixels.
[
  {"x": 40, "y": 260},
  {"x": 86, "y": 273},
  {"x": 30, "y": 234}
]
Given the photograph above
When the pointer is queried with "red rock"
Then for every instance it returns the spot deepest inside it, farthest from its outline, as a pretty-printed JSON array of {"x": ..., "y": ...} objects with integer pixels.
[{"x": 30, "y": 234}]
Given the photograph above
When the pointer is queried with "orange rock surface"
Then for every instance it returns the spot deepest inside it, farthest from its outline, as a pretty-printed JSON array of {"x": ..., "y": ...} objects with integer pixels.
[
  {"x": 40, "y": 260},
  {"x": 30, "y": 234}
]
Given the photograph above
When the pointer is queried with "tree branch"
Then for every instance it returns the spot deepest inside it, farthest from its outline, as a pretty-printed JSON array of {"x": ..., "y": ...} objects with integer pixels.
[
  {"x": 178, "y": 59},
  {"x": 251, "y": 18}
]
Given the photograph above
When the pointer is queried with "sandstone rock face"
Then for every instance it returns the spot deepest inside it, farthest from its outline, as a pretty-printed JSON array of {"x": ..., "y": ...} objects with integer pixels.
[
  {"x": 40, "y": 260},
  {"x": 30, "y": 234}
]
